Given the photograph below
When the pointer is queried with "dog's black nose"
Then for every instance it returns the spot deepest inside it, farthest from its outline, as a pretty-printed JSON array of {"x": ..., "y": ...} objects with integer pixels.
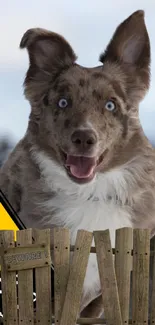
[{"x": 84, "y": 139}]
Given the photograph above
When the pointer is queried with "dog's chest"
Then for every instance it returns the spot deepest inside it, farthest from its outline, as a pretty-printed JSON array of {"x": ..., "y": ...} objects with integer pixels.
[{"x": 89, "y": 215}]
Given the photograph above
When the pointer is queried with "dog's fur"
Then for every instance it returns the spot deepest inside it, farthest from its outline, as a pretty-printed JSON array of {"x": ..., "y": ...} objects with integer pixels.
[{"x": 34, "y": 178}]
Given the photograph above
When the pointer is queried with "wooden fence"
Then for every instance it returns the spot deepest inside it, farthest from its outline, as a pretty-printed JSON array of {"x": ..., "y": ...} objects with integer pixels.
[{"x": 32, "y": 251}]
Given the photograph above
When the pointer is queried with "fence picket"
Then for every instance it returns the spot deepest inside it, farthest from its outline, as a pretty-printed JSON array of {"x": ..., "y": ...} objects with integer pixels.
[
  {"x": 25, "y": 283},
  {"x": 108, "y": 278},
  {"x": 61, "y": 268},
  {"x": 140, "y": 284},
  {"x": 152, "y": 316},
  {"x": 76, "y": 278},
  {"x": 9, "y": 290},
  {"x": 123, "y": 266},
  {"x": 43, "y": 282}
]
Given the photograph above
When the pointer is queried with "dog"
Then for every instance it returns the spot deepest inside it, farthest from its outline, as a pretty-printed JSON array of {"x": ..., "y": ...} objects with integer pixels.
[{"x": 84, "y": 162}]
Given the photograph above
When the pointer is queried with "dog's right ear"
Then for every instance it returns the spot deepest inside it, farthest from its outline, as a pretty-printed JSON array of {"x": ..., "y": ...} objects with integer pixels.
[
  {"x": 47, "y": 50},
  {"x": 130, "y": 49}
]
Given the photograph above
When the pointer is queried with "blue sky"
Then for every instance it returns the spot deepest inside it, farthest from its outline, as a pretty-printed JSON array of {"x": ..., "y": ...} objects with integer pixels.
[{"x": 87, "y": 24}]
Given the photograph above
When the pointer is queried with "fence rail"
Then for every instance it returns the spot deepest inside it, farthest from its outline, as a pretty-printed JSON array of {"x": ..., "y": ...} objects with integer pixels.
[{"x": 30, "y": 259}]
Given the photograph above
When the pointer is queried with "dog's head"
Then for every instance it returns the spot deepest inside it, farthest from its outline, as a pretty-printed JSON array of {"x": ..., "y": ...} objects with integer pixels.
[{"x": 80, "y": 115}]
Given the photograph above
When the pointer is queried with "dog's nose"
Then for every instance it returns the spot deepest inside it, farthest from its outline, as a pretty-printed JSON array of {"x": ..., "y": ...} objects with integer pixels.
[{"x": 84, "y": 139}]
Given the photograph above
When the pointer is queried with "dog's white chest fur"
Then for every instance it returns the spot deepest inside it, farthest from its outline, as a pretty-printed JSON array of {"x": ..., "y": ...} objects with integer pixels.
[{"x": 98, "y": 205}]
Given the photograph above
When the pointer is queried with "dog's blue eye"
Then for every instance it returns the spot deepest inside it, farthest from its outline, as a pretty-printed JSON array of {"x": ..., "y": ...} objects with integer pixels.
[
  {"x": 110, "y": 106},
  {"x": 63, "y": 103}
]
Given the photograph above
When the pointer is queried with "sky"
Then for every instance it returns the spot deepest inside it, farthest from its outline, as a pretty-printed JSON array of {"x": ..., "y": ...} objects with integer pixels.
[{"x": 87, "y": 24}]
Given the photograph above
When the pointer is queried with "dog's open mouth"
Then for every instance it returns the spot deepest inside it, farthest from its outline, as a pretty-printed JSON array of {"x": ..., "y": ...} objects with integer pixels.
[{"x": 80, "y": 168}]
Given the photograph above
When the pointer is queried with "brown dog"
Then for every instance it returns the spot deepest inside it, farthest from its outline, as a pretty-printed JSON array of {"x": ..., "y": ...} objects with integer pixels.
[{"x": 84, "y": 162}]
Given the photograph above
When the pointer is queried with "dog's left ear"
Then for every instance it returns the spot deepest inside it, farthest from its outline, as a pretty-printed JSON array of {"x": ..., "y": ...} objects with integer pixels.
[
  {"x": 47, "y": 51},
  {"x": 130, "y": 46}
]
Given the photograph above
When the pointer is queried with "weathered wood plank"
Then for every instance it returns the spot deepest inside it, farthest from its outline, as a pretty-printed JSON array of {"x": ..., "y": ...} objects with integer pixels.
[
  {"x": 76, "y": 278},
  {"x": 9, "y": 290},
  {"x": 93, "y": 250},
  {"x": 108, "y": 277},
  {"x": 43, "y": 282},
  {"x": 140, "y": 286},
  {"x": 23, "y": 258},
  {"x": 25, "y": 283},
  {"x": 89, "y": 321},
  {"x": 123, "y": 266},
  {"x": 152, "y": 318},
  {"x": 61, "y": 268}
]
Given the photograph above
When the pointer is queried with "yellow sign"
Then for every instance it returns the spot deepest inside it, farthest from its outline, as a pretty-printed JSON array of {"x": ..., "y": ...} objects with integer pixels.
[
  {"x": 6, "y": 222},
  {"x": 9, "y": 220}
]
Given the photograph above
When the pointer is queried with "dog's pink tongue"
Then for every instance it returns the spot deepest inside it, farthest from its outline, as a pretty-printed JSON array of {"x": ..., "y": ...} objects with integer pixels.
[{"x": 81, "y": 167}]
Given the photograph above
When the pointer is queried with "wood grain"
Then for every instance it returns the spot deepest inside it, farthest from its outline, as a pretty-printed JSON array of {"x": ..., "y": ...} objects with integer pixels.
[
  {"x": 140, "y": 287},
  {"x": 9, "y": 290},
  {"x": 76, "y": 278},
  {"x": 61, "y": 267},
  {"x": 43, "y": 282},
  {"x": 25, "y": 283},
  {"x": 107, "y": 277},
  {"x": 123, "y": 266},
  {"x": 152, "y": 317}
]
